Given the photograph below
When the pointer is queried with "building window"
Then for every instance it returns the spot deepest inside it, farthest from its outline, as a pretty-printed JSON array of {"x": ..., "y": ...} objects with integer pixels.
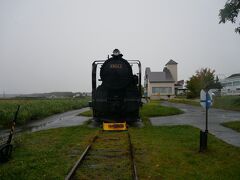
[
  {"x": 162, "y": 90},
  {"x": 236, "y": 83},
  {"x": 227, "y": 84}
]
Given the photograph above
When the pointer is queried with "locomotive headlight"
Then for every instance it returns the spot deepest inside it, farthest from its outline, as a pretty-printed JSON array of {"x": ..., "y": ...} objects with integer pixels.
[{"x": 116, "y": 52}]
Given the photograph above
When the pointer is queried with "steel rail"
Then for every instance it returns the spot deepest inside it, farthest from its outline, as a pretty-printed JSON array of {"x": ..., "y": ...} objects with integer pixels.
[
  {"x": 133, "y": 164},
  {"x": 84, "y": 154},
  {"x": 80, "y": 160}
]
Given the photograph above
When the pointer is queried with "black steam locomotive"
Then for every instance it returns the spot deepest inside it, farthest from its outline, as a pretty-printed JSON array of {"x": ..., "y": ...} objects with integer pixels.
[{"x": 118, "y": 98}]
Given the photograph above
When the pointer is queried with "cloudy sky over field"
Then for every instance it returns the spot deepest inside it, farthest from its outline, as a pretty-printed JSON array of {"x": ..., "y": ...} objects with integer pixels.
[{"x": 49, "y": 45}]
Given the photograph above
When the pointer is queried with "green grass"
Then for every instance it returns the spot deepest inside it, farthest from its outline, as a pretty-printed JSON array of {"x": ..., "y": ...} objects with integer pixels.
[
  {"x": 227, "y": 102},
  {"x": 172, "y": 153},
  {"x": 151, "y": 109},
  {"x": 186, "y": 101},
  {"x": 164, "y": 152},
  {"x": 160, "y": 153},
  {"x": 36, "y": 109},
  {"x": 87, "y": 113},
  {"x": 46, "y": 154},
  {"x": 112, "y": 161},
  {"x": 154, "y": 109},
  {"x": 235, "y": 125},
  {"x": 223, "y": 102}
]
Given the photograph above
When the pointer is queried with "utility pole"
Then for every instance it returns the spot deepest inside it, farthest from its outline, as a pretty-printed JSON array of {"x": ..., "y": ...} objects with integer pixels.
[{"x": 4, "y": 94}]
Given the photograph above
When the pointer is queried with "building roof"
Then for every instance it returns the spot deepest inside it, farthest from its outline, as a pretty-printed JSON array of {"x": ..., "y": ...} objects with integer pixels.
[
  {"x": 234, "y": 75},
  {"x": 160, "y": 77},
  {"x": 165, "y": 76},
  {"x": 180, "y": 83},
  {"x": 171, "y": 62}
]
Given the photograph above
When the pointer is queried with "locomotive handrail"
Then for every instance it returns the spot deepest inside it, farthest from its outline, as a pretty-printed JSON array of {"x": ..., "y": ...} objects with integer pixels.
[
  {"x": 140, "y": 74},
  {"x": 94, "y": 83},
  {"x": 94, "y": 69}
]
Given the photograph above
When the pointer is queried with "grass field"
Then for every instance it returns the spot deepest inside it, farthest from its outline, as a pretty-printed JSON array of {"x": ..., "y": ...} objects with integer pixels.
[
  {"x": 172, "y": 153},
  {"x": 235, "y": 125},
  {"x": 160, "y": 153},
  {"x": 86, "y": 113},
  {"x": 112, "y": 161},
  {"x": 227, "y": 102},
  {"x": 46, "y": 154},
  {"x": 194, "y": 102},
  {"x": 223, "y": 102},
  {"x": 153, "y": 109},
  {"x": 36, "y": 109}
]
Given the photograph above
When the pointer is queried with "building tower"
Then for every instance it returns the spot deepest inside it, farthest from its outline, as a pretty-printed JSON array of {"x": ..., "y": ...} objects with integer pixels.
[{"x": 172, "y": 67}]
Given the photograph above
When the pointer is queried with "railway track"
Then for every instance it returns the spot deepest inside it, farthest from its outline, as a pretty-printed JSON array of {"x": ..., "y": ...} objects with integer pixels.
[{"x": 108, "y": 156}]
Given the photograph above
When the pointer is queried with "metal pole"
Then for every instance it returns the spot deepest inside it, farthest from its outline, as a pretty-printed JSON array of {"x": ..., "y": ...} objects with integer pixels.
[
  {"x": 206, "y": 111},
  {"x": 206, "y": 131},
  {"x": 206, "y": 119}
]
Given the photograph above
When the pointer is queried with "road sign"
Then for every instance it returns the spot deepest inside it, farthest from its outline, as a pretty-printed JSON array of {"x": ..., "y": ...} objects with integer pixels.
[
  {"x": 206, "y": 99},
  {"x": 206, "y": 102}
]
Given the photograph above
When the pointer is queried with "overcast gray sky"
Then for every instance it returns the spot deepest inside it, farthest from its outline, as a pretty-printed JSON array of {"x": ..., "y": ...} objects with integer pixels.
[{"x": 49, "y": 45}]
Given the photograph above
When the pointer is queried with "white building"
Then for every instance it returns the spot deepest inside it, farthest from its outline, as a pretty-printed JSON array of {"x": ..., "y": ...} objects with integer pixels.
[
  {"x": 231, "y": 85},
  {"x": 162, "y": 84}
]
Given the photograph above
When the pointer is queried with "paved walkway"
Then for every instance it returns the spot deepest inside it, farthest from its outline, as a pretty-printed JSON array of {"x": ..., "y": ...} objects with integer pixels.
[
  {"x": 195, "y": 116},
  {"x": 65, "y": 119}
]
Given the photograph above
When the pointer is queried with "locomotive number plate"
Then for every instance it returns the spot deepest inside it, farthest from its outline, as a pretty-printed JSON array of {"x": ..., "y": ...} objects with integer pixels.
[{"x": 116, "y": 66}]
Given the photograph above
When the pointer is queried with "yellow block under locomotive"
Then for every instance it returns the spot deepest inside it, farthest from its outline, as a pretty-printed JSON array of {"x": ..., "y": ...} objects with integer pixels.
[{"x": 115, "y": 126}]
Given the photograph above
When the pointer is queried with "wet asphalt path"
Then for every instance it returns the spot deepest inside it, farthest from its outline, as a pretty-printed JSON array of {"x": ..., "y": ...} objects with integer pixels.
[
  {"x": 66, "y": 119},
  {"x": 195, "y": 116}
]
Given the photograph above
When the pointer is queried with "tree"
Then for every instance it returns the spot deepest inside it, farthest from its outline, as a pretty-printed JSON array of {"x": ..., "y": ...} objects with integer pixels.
[
  {"x": 203, "y": 79},
  {"x": 230, "y": 13},
  {"x": 217, "y": 84}
]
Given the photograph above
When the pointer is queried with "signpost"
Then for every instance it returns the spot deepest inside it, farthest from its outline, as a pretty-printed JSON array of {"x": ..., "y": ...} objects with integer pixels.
[{"x": 206, "y": 103}]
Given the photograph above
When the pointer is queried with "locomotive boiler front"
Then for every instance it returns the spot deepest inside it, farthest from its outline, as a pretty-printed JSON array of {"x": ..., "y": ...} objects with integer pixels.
[{"x": 116, "y": 73}]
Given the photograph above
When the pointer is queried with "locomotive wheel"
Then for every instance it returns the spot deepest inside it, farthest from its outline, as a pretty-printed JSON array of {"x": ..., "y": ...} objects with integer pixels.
[{"x": 5, "y": 152}]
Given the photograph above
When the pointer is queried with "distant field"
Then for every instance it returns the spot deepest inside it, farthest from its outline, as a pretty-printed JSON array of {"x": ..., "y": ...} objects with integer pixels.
[
  {"x": 223, "y": 102},
  {"x": 36, "y": 109}
]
